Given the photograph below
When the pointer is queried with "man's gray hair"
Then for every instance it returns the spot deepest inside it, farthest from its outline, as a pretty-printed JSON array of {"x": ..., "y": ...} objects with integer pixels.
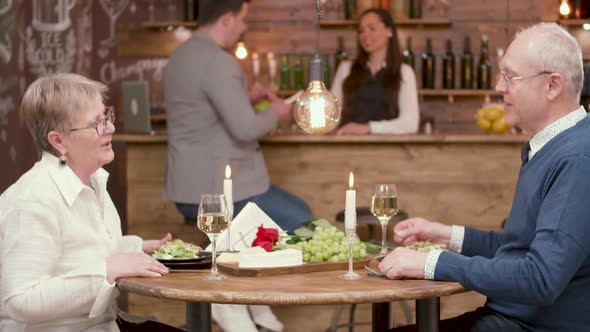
[{"x": 555, "y": 50}]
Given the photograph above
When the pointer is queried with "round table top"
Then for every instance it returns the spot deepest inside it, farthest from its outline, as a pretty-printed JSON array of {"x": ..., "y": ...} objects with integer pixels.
[{"x": 305, "y": 288}]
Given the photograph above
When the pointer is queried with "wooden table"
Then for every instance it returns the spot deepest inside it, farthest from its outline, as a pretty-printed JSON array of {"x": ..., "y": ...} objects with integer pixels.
[{"x": 300, "y": 289}]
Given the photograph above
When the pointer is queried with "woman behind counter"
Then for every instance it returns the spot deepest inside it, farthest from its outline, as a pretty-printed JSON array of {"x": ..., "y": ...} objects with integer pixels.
[
  {"x": 60, "y": 235},
  {"x": 377, "y": 91}
]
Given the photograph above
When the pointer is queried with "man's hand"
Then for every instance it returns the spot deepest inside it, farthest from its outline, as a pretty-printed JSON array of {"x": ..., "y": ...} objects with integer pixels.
[
  {"x": 282, "y": 109},
  {"x": 353, "y": 128},
  {"x": 259, "y": 94},
  {"x": 403, "y": 262},
  {"x": 149, "y": 246},
  {"x": 417, "y": 229},
  {"x": 133, "y": 264}
]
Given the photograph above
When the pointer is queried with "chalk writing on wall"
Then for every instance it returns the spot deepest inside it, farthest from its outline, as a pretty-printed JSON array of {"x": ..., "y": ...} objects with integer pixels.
[
  {"x": 110, "y": 73},
  {"x": 53, "y": 54}
]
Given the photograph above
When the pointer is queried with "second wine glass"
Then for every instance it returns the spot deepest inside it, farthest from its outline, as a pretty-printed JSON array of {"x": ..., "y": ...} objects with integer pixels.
[
  {"x": 213, "y": 219},
  {"x": 384, "y": 206}
]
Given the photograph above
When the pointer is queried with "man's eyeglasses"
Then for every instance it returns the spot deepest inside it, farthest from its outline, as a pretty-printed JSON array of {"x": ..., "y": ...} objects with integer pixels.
[
  {"x": 511, "y": 79},
  {"x": 101, "y": 125}
]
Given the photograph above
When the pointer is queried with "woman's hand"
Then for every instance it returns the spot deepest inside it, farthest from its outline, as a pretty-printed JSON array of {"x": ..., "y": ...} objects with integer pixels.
[
  {"x": 149, "y": 246},
  {"x": 353, "y": 128},
  {"x": 417, "y": 229},
  {"x": 133, "y": 264}
]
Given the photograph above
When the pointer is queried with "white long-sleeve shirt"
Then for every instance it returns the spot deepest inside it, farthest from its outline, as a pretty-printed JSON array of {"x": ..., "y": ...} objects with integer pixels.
[
  {"x": 409, "y": 114},
  {"x": 55, "y": 236}
]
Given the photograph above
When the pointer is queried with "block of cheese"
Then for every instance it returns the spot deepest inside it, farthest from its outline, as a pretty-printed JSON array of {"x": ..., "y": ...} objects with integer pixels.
[
  {"x": 279, "y": 258},
  {"x": 234, "y": 258}
]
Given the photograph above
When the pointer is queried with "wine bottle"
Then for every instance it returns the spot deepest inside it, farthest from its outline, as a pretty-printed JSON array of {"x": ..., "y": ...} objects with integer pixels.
[
  {"x": 408, "y": 54},
  {"x": 341, "y": 54},
  {"x": 326, "y": 69},
  {"x": 349, "y": 9},
  {"x": 191, "y": 10},
  {"x": 467, "y": 66},
  {"x": 399, "y": 9},
  {"x": 415, "y": 10},
  {"x": 484, "y": 68},
  {"x": 385, "y": 5},
  {"x": 285, "y": 73},
  {"x": 428, "y": 61},
  {"x": 298, "y": 81},
  {"x": 363, "y": 5},
  {"x": 448, "y": 69}
]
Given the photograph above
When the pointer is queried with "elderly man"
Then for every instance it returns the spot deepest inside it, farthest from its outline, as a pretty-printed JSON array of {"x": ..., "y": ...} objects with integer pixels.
[{"x": 536, "y": 273}]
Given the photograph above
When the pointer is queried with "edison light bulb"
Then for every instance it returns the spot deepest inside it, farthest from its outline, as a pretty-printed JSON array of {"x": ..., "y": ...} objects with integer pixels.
[
  {"x": 564, "y": 9},
  {"x": 317, "y": 111},
  {"x": 241, "y": 51}
]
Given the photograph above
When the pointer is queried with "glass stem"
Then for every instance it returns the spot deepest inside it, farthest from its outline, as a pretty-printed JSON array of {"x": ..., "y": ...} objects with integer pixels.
[
  {"x": 228, "y": 235},
  {"x": 383, "y": 237},
  {"x": 350, "y": 256},
  {"x": 214, "y": 258}
]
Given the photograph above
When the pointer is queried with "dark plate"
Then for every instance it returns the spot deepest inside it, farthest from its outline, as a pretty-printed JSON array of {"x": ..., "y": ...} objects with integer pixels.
[
  {"x": 203, "y": 255},
  {"x": 204, "y": 264}
]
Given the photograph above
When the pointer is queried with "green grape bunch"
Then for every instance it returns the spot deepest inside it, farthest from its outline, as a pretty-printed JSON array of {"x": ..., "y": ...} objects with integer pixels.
[
  {"x": 426, "y": 246},
  {"x": 326, "y": 244}
]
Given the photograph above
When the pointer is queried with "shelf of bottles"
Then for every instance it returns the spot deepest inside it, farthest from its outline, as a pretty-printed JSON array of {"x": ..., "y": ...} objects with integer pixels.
[
  {"x": 170, "y": 25},
  {"x": 580, "y": 22},
  {"x": 427, "y": 92},
  {"x": 408, "y": 22}
]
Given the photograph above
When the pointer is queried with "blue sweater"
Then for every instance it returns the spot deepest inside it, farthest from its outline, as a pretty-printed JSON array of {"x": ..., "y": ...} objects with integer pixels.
[{"x": 537, "y": 271}]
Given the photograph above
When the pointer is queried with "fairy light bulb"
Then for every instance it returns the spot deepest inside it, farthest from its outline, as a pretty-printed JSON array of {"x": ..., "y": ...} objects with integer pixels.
[
  {"x": 241, "y": 50},
  {"x": 564, "y": 9},
  {"x": 317, "y": 111}
]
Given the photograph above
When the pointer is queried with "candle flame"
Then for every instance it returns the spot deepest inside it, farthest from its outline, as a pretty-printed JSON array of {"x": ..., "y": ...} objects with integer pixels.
[
  {"x": 564, "y": 8},
  {"x": 227, "y": 172},
  {"x": 350, "y": 181}
]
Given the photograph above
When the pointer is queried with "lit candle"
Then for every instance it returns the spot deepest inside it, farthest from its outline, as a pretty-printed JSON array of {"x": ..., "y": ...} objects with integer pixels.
[
  {"x": 227, "y": 191},
  {"x": 350, "y": 206},
  {"x": 255, "y": 65}
]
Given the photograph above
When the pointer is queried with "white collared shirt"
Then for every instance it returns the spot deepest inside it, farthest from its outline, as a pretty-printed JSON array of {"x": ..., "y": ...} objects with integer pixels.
[
  {"x": 55, "y": 236},
  {"x": 543, "y": 137}
]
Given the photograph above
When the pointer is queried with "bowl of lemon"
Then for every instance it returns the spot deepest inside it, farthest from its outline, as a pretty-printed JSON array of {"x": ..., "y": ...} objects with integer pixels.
[{"x": 490, "y": 118}]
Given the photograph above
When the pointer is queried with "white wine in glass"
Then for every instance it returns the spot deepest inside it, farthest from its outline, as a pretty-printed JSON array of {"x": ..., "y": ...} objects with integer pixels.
[
  {"x": 384, "y": 206},
  {"x": 213, "y": 219}
]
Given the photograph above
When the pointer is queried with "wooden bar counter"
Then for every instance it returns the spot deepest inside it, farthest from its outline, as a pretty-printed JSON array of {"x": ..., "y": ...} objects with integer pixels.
[{"x": 461, "y": 179}]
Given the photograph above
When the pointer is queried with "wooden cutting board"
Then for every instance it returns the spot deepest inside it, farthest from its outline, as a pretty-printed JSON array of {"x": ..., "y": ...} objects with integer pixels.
[{"x": 234, "y": 270}]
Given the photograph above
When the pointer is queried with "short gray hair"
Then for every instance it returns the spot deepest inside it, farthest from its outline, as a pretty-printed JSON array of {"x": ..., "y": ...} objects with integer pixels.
[
  {"x": 51, "y": 102},
  {"x": 556, "y": 50}
]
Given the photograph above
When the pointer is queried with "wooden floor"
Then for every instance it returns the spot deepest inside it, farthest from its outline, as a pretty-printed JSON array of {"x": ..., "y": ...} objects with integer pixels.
[{"x": 301, "y": 318}]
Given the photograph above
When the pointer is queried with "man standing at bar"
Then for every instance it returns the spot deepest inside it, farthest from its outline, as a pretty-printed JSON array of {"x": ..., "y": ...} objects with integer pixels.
[
  {"x": 536, "y": 273},
  {"x": 211, "y": 122}
]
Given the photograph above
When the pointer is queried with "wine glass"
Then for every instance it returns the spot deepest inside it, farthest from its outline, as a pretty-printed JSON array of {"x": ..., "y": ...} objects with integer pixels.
[
  {"x": 384, "y": 206},
  {"x": 212, "y": 220}
]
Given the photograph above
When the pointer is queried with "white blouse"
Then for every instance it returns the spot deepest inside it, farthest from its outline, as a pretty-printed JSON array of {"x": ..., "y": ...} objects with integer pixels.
[
  {"x": 409, "y": 114},
  {"x": 55, "y": 236}
]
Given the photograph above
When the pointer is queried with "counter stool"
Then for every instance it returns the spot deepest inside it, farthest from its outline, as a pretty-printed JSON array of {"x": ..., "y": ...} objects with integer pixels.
[{"x": 365, "y": 217}]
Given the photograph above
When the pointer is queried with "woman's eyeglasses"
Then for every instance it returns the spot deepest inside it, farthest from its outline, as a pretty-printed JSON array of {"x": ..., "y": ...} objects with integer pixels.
[{"x": 102, "y": 124}]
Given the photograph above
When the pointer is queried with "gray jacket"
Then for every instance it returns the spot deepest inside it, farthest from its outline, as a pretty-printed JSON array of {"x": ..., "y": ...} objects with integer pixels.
[{"x": 211, "y": 124}]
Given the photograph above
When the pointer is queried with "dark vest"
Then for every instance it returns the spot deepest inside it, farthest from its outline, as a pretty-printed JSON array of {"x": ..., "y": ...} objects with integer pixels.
[{"x": 370, "y": 102}]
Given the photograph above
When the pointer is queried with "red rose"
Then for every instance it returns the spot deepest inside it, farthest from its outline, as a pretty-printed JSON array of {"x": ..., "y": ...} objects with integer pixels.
[{"x": 266, "y": 237}]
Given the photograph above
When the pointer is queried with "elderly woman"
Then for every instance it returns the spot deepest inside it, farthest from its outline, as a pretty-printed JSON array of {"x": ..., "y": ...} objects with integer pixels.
[
  {"x": 377, "y": 91},
  {"x": 60, "y": 234}
]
